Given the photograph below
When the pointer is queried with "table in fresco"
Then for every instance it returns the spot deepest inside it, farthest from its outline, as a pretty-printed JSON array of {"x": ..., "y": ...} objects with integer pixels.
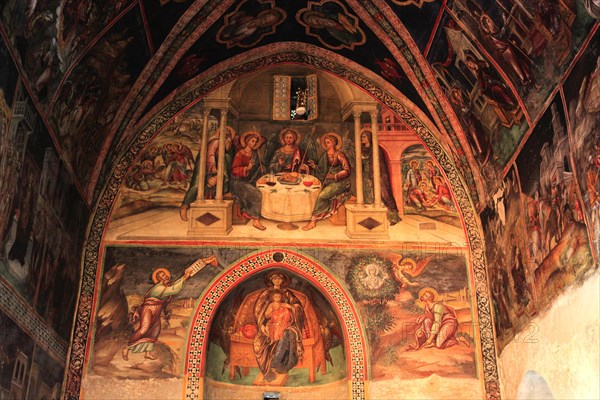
[{"x": 289, "y": 200}]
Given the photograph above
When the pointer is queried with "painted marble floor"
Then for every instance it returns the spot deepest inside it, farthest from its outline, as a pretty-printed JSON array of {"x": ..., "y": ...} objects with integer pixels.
[{"x": 165, "y": 225}]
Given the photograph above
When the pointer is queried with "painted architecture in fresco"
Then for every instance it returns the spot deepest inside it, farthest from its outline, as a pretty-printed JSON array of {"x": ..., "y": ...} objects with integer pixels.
[{"x": 331, "y": 199}]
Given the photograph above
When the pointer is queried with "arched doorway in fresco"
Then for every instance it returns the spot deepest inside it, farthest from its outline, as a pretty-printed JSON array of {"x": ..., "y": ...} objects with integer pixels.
[{"x": 276, "y": 319}]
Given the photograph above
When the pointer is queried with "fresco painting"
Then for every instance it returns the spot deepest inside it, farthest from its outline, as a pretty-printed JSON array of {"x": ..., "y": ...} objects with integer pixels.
[
  {"x": 558, "y": 243},
  {"x": 147, "y": 298},
  {"x": 426, "y": 191},
  {"x": 532, "y": 41},
  {"x": 26, "y": 370},
  {"x": 293, "y": 177},
  {"x": 511, "y": 273},
  {"x": 49, "y": 36},
  {"x": 117, "y": 57},
  {"x": 487, "y": 108},
  {"x": 417, "y": 310},
  {"x": 164, "y": 174},
  {"x": 249, "y": 23},
  {"x": 42, "y": 267},
  {"x": 584, "y": 117},
  {"x": 275, "y": 328}
]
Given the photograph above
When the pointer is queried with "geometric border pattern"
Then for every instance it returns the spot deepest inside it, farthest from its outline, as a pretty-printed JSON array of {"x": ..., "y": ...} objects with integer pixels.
[
  {"x": 278, "y": 54},
  {"x": 198, "y": 339},
  {"x": 19, "y": 310}
]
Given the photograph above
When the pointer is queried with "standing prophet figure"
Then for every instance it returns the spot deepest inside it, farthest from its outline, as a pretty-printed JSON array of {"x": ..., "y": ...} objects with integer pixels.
[{"x": 155, "y": 303}]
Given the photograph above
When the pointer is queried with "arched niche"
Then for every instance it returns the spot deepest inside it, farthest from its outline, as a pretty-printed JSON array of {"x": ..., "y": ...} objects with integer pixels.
[{"x": 251, "y": 269}]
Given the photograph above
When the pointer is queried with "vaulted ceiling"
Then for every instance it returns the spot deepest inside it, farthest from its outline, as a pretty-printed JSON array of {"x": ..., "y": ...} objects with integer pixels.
[{"x": 102, "y": 72}]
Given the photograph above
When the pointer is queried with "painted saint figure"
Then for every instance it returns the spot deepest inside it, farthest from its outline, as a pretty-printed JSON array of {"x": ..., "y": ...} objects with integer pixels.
[
  {"x": 333, "y": 170},
  {"x": 210, "y": 179},
  {"x": 288, "y": 157},
  {"x": 489, "y": 86},
  {"x": 438, "y": 324},
  {"x": 245, "y": 171},
  {"x": 280, "y": 319},
  {"x": 414, "y": 194},
  {"x": 387, "y": 195},
  {"x": 155, "y": 303},
  {"x": 508, "y": 50}
]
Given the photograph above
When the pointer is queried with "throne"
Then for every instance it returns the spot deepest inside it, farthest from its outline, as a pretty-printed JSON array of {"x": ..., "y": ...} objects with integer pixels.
[{"x": 242, "y": 351}]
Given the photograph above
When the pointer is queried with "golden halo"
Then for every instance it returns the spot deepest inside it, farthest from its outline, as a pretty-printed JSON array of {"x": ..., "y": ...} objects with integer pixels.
[
  {"x": 245, "y": 135},
  {"x": 297, "y": 135},
  {"x": 156, "y": 271},
  {"x": 413, "y": 265},
  {"x": 337, "y": 136},
  {"x": 436, "y": 295},
  {"x": 414, "y": 162},
  {"x": 484, "y": 27},
  {"x": 438, "y": 179}
]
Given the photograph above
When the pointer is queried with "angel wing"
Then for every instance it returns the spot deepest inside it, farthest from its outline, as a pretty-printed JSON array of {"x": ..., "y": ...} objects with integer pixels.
[
  {"x": 271, "y": 146},
  {"x": 187, "y": 154},
  {"x": 309, "y": 148},
  {"x": 348, "y": 148},
  {"x": 414, "y": 268}
]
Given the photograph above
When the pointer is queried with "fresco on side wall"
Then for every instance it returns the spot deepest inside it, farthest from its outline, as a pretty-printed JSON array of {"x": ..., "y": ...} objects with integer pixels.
[
  {"x": 26, "y": 370},
  {"x": 42, "y": 237},
  {"x": 580, "y": 90},
  {"x": 426, "y": 191},
  {"x": 487, "y": 108},
  {"x": 533, "y": 42},
  {"x": 48, "y": 36},
  {"x": 8, "y": 84},
  {"x": 511, "y": 275},
  {"x": 86, "y": 104},
  {"x": 557, "y": 240}
]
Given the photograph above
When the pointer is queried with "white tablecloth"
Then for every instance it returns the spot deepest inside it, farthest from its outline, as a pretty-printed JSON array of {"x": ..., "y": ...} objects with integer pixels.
[{"x": 288, "y": 202}]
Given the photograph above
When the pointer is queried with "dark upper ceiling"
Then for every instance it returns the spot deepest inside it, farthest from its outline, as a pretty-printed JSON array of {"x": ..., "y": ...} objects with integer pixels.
[{"x": 96, "y": 68}]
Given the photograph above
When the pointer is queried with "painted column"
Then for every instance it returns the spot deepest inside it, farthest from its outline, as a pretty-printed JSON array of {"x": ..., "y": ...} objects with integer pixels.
[
  {"x": 203, "y": 146},
  {"x": 360, "y": 198},
  {"x": 375, "y": 152},
  {"x": 221, "y": 161}
]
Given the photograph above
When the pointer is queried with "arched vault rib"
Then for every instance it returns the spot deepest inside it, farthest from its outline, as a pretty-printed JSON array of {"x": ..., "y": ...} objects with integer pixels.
[{"x": 314, "y": 58}]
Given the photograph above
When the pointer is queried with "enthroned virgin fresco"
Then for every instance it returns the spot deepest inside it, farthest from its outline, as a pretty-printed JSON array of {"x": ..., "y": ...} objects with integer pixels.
[{"x": 276, "y": 329}]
